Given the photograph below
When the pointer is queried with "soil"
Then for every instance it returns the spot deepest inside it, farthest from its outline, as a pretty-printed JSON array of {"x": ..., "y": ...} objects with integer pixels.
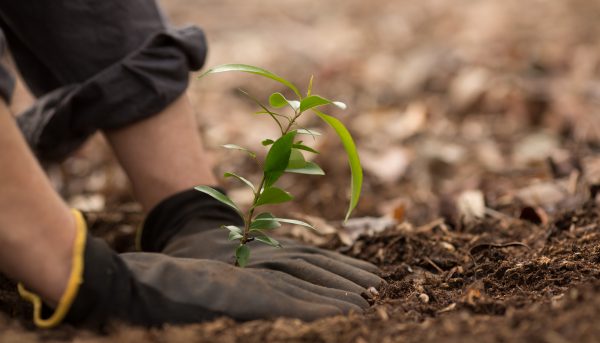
[{"x": 479, "y": 130}]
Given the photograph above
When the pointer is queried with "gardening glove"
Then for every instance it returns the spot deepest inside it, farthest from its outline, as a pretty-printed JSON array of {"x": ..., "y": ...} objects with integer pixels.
[
  {"x": 151, "y": 289},
  {"x": 189, "y": 224}
]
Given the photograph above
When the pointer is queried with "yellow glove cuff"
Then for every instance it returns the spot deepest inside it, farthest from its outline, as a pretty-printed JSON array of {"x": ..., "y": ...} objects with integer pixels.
[{"x": 75, "y": 280}]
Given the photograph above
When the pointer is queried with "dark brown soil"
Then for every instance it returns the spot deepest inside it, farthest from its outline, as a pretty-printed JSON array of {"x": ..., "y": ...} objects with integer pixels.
[
  {"x": 494, "y": 97},
  {"x": 496, "y": 280}
]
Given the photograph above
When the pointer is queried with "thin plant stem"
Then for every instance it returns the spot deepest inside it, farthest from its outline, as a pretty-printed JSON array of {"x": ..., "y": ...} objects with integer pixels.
[
  {"x": 248, "y": 220},
  {"x": 272, "y": 114},
  {"x": 292, "y": 122}
]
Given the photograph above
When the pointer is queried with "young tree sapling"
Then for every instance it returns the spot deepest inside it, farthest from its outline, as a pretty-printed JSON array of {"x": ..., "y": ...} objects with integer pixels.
[{"x": 285, "y": 155}]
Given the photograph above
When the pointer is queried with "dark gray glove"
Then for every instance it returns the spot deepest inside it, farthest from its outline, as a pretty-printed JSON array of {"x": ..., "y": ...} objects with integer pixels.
[
  {"x": 190, "y": 290},
  {"x": 151, "y": 289},
  {"x": 188, "y": 224}
]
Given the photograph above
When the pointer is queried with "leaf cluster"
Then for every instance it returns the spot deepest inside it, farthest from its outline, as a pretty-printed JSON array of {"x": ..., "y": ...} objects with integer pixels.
[{"x": 285, "y": 155}]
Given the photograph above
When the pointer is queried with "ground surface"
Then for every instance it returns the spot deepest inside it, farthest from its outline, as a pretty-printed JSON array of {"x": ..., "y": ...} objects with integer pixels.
[{"x": 479, "y": 129}]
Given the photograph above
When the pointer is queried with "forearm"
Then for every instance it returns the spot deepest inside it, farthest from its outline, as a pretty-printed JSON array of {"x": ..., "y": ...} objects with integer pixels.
[
  {"x": 36, "y": 227},
  {"x": 163, "y": 154}
]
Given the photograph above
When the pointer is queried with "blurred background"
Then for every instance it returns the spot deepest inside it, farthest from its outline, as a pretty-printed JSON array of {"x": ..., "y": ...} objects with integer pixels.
[{"x": 499, "y": 98}]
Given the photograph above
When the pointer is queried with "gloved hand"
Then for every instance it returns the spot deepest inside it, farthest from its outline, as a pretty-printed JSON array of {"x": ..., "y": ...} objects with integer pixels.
[
  {"x": 151, "y": 289},
  {"x": 188, "y": 224}
]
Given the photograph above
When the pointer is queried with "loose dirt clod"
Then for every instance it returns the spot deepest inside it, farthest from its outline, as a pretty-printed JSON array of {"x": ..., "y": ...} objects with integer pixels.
[{"x": 373, "y": 293}]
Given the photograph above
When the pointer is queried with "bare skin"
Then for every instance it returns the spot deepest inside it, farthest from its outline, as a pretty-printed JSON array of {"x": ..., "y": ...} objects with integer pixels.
[
  {"x": 163, "y": 154},
  {"x": 37, "y": 230}
]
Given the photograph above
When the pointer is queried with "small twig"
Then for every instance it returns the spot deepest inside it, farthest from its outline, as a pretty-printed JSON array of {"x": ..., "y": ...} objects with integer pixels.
[
  {"x": 496, "y": 214},
  {"x": 394, "y": 241},
  {"x": 428, "y": 260},
  {"x": 480, "y": 247},
  {"x": 450, "y": 274},
  {"x": 430, "y": 226},
  {"x": 572, "y": 183},
  {"x": 448, "y": 308}
]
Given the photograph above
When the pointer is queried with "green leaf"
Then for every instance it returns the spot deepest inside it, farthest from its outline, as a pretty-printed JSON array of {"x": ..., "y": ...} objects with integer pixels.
[
  {"x": 219, "y": 196},
  {"x": 234, "y": 232},
  {"x": 267, "y": 142},
  {"x": 353, "y": 159},
  {"x": 253, "y": 70},
  {"x": 268, "y": 240},
  {"x": 234, "y": 236},
  {"x": 315, "y": 101},
  {"x": 243, "y": 179},
  {"x": 264, "y": 221},
  {"x": 287, "y": 221},
  {"x": 237, "y": 147},
  {"x": 279, "y": 154},
  {"x": 277, "y": 158},
  {"x": 264, "y": 224},
  {"x": 265, "y": 215},
  {"x": 304, "y": 147},
  {"x": 273, "y": 195},
  {"x": 233, "y": 228},
  {"x": 310, "y": 84},
  {"x": 242, "y": 255},
  {"x": 277, "y": 100},
  {"x": 308, "y": 132},
  {"x": 309, "y": 168},
  {"x": 272, "y": 177},
  {"x": 296, "y": 160},
  {"x": 295, "y": 222}
]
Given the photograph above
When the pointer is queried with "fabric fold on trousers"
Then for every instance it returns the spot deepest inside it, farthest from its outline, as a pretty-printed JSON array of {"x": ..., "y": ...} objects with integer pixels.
[
  {"x": 137, "y": 87},
  {"x": 7, "y": 80}
]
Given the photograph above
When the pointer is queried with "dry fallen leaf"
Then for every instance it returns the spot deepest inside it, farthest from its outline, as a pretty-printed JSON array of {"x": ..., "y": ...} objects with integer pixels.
[
  {"x": 387, "y": 166},
  {"x": 544, "y": 194},
  {"x": 468, "y": 86},
  {"x": 471, "y": 205},
  {"x": 591, "y": 169},
  {"x": 535, "y": 147},
  {"x": 355, "y": 227}
]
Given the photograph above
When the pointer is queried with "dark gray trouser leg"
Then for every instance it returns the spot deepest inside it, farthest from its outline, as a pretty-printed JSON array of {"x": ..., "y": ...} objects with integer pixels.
[
  {"x": 7, "y": 81},
  {"x": 95, "y": 65}
]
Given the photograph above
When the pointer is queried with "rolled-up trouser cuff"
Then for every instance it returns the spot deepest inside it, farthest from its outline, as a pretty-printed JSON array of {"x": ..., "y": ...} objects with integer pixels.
[
  {"x": 7, "y": 80},
  {"x": 139, "y": 86},
  {"x": 7, "y": 84}
]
